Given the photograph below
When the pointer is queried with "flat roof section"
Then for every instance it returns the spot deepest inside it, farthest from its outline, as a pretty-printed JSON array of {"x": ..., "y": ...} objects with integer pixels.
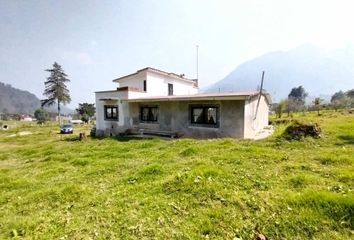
[{"x": 201, "y": 96}]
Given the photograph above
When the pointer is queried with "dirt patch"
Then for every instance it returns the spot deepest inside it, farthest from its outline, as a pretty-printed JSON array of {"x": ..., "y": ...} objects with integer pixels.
[{"x": 24, "y": 133}]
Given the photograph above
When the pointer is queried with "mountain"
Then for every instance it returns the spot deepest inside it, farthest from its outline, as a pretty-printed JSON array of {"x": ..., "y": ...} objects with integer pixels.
[
  {"x": 13, "y": 100},
  {"x": 319, "y": 72}
]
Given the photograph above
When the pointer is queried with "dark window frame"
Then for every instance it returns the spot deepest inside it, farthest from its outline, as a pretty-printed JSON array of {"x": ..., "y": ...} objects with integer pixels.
[
  {"x": 204, "y": 121},
  {"x": 150, "y": 118},
  {"x": 144, "y": 86},
  {"x": 114, "y": 115},
  {"x": 170, "y": 89}
]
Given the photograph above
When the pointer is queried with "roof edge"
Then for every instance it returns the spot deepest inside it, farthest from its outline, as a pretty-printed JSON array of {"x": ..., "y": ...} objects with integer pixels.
[{"x": 155, "y": 70}]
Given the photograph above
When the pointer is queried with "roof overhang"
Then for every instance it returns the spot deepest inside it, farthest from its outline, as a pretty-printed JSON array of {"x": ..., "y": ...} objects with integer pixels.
[
  {"x": 108, "y": 91},
  {"x": 196, "y": 97},
  {"x": 109, "y": 99}
]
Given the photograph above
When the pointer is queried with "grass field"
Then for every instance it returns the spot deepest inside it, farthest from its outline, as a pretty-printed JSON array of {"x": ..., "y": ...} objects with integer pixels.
[{"x": 56, "y": 187}]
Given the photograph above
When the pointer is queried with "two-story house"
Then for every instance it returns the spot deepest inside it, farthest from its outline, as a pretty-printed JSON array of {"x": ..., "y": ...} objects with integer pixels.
[{"x": 153, "y": 101}]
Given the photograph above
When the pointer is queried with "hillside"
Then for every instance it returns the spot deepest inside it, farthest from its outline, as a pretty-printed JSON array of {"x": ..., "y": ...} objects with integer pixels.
[
  {"x": 13, "y": 100},
  {"x": 320, "y": 72},
  {"x": 57, "y": 187}
]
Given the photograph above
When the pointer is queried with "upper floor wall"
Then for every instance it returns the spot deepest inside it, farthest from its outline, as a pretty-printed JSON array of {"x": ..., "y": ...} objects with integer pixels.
[{"x": 158, "y": 83}]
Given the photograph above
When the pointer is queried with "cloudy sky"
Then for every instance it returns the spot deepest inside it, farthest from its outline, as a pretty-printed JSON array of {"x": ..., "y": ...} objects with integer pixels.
[{"x": 96, "y": 41}]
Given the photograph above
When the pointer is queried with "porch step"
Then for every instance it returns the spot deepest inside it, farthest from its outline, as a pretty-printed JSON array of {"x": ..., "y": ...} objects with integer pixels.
[{"x": 149, "y": 132}]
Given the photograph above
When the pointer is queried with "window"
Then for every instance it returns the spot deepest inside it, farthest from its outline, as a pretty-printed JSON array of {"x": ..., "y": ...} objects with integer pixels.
[
  {"x": 205, "y": 115},
  {"x": 111, "y": 113},
  {"x": 170, "y": 89},
  {"x": 144, "y": 85},
  {"x": 149, "y": 113}
]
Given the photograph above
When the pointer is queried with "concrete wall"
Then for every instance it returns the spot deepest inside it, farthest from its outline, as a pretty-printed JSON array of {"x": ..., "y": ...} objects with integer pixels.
[
  {"x": 175, "y": 116},
  {"x": 236, "y": 118},
  {"x": 254, "y": 125}
]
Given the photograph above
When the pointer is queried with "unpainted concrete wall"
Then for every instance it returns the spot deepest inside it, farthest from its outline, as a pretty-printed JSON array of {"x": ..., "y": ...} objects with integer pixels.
[
  {"x": 255, "y": 122},
  {"x": 175, "y": 116}
]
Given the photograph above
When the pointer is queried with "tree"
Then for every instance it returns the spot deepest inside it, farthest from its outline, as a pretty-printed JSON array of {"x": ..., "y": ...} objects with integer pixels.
[
  {"x": 282, "y": 105},
  {"x": 317, "y": 103},
  {"x": 296, "y": 99},
  {"x": 86, "y": 111},
  {"x": 343, "y": 99},
  {"x": 350, "y": 93},
  {"x": 338, "y": 100},
  {"x": 350, "y": 96},
  {"x": 55, "y": 88},
  {"x": 41, "y": 115}
]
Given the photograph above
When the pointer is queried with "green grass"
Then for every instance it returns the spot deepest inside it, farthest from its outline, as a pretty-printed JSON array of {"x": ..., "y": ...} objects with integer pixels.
[{"x": 56, "y": 187}]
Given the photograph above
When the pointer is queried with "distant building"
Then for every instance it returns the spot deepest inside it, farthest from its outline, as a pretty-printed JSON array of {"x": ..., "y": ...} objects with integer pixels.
[
  {"x": 26, "y": 118},
  {"x": 153, "y": 101}
]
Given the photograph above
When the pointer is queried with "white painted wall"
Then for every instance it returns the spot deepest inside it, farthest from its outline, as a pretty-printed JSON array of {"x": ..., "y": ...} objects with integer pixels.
[
  {"x": 101, "y": 123},
  {"x": 157, "y": 84},
  {"x": 253, "y": 126},
  {"x": 135, "y": 81}
]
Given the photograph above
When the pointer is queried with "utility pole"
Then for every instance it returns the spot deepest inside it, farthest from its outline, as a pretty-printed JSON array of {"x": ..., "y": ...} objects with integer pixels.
[
  {"x": 197, "y": 62},
  {"x": 259, "y": 96}
]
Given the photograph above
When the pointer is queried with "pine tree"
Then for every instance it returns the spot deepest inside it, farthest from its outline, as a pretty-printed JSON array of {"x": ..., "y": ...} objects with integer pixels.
[{"x": 55, "y": 89}]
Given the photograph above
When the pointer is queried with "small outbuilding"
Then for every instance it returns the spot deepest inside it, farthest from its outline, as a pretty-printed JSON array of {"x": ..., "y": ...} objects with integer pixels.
[{"x": 152, "y": 101}]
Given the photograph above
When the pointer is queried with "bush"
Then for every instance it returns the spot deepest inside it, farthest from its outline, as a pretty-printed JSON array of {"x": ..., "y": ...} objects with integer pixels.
[{"x": 297, "y": 131}]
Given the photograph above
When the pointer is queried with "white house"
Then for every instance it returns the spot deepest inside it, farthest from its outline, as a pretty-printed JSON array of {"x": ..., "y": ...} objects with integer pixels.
[{"x": 152, "y": 101}]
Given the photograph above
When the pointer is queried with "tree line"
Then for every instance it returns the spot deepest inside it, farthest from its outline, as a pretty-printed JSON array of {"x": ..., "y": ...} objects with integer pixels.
[{"x": 296, "y": 102}]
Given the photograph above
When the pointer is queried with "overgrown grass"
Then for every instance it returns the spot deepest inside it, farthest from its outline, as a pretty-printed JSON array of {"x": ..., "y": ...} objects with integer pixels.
[{"x": 56, "y": 187}]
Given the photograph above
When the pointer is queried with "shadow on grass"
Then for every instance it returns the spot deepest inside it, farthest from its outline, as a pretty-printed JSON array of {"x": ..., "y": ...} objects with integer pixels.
[
  {"x": 71, "y": 138},
  {"x": 127, "y": 138},
  {"x": 347, "y": 139},
  {"x": 75, "y": 138}
]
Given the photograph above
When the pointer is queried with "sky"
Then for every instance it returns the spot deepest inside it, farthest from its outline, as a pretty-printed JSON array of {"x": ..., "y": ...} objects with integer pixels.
[{"x": 96, "y": 41}]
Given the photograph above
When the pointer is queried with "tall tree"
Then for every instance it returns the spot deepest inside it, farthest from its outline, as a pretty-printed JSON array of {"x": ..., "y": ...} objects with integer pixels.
[
  {"x": 86, "y": 111},
  {"x": 56, "y": 89},
  {"x": 297, "y": 98}
]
